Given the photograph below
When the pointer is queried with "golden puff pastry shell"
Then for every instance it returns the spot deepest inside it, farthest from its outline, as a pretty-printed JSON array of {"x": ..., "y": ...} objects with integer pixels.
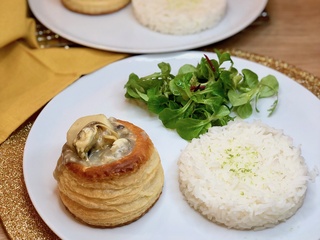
[
  {"x": 95, "y": 7},
  {"x": 113, "y": 194}
]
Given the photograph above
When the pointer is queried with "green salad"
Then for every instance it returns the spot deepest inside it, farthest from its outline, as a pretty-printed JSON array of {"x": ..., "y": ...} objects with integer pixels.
[{"x": 199, "y": 97}]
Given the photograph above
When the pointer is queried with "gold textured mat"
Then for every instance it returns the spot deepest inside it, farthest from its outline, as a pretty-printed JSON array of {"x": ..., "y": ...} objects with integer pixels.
[{"x": 17, "y": 213}]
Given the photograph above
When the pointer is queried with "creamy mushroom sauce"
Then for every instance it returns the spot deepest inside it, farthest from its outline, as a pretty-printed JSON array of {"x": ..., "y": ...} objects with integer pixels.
[{"x": 97, "y": 144}]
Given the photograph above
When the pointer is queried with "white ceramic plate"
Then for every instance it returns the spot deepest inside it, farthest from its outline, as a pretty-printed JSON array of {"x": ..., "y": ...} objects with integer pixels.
[
  {"x": 103, "y": 91},
  {"x": 121, "y": 32}
]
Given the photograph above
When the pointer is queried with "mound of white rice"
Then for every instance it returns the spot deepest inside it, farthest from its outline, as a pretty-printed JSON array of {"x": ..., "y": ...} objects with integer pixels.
[
  {"x": 243, "y": 175},
  {"x": 179, "y": 17}
]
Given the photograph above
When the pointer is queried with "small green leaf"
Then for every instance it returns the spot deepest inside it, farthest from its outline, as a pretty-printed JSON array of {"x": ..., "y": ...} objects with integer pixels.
[
  {"x": 244, "y": 111},
  {"x": 169, "y": 116},
  {"x": 237, "y": 99},
  {"x": 222, "y": 112},
  {"x": 157, "y": 104},
  {"x": 189, "y": 128},
  {"x": 269, "y": 86},
  {"x": 225, "y": 77},
  {"x": 250, "y": 78},
  {"x": 143, "y": 96},
  {"x": 224, "y": 57},
  {"x": 181, "y": 84},
  {"x": 165, "y": 68},
  {"x": 187, "y": 68},
  {"x": 206, "y": 70}
]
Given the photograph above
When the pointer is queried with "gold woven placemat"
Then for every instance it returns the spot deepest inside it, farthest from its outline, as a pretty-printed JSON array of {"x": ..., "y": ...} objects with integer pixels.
[{"x": 17, "y": 213}]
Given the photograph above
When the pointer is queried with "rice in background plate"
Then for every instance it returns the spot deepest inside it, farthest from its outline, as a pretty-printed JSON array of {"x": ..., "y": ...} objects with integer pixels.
[
  {"x": 179, "y": 17},
  {"x": 243, "y": 175}
]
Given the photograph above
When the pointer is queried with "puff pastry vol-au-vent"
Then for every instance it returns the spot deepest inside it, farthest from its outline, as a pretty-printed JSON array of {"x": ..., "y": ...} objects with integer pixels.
[
  {"x": 95, "y": 7},
  {"x": 109, "y": 173}
]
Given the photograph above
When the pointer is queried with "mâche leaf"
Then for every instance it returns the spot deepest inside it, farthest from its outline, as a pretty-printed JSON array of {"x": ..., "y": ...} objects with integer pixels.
[
  {"x": 189, "y": 128},
  {"x": 203, "y": 95},
  {"x": 244, "y": 111},
  {"x": 250, "y": 78},
  {"x": 269, "y": 86}
]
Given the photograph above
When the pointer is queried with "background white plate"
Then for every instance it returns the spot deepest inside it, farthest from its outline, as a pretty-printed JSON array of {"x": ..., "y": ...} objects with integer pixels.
[
  {"x": 298, "y": 114},
  {"x": 121, "y": 32}
]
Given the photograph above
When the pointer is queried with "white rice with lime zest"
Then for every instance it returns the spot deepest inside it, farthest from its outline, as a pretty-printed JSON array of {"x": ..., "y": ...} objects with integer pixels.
[
  {"x": 243, "y": 175},
  {"x": 179, "y": 17}
]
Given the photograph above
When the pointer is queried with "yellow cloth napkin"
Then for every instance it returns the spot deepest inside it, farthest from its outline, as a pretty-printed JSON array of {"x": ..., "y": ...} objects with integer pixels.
[{"x": 29, "y": 75}]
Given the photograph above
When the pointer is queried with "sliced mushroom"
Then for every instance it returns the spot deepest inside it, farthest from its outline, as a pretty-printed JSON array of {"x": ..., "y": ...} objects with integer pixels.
[
  {"x": 80, "y": 123},
  {"x": 93, "y": 137}
]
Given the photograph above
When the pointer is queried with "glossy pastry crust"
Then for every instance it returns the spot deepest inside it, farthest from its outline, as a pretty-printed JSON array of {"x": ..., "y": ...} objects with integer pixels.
[
  {"x": 95, "y": 7},
  {"x": 113, "y": 194}
]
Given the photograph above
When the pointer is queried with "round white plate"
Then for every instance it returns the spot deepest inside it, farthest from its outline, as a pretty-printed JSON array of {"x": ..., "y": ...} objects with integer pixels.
[
  {"x": 298, "y": 114},
  {"x": 121, "y": 32}
]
